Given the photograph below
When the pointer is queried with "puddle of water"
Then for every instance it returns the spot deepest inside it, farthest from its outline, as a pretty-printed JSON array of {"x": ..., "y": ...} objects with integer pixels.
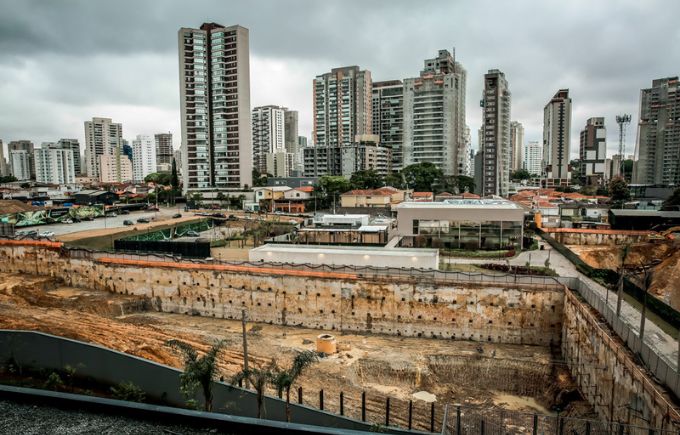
[{"x": 519, "y": 403}]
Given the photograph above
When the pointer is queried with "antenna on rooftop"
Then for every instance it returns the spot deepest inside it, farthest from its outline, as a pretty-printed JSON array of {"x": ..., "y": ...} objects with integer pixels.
[{"x": 623, "y": 121}]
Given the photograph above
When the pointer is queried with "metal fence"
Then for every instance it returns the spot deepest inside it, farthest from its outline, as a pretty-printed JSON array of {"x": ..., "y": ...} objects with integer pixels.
[
  {"x": 467, "y": 420},
  {"x": 660, "y": 365}
]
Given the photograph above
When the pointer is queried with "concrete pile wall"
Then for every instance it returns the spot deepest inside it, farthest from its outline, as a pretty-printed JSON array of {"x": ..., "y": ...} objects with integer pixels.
[
  {"x": 608, "y": 375},
  {"x": 598, "y": 237},
  {"x": 479, "y": 312}
]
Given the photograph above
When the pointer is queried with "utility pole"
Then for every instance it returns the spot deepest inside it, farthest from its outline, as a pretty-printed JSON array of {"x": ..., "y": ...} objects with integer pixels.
[{"x": 623, "y": 121}]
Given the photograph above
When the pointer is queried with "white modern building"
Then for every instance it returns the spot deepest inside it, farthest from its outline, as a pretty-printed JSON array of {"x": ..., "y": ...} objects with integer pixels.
[
  {"x": 143, "y": 156},
  {"x": 214, "y": 70},
  {"x": 533, "y": 157},
  {"x": 103, "y": 137},
  {"x": 54, "y": 165},
  {"x": 516, "y": 145},
  {"x": 434, "y": 115},
  {"x": 20, "y": 164}
]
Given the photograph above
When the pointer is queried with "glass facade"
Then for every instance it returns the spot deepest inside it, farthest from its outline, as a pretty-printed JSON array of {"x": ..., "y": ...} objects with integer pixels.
[{"x": 490, "y": 235}]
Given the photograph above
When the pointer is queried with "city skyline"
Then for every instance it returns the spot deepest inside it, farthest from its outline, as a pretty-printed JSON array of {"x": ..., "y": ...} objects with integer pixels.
[{"x": 145, "y": 99}]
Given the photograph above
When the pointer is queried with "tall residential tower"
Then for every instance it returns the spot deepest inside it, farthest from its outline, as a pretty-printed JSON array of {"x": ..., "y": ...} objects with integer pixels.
[
  {"x": 556, "y": 136},
  {"x": 388, "y": 118},
  {"x": 496, "y": 147},
  {"x": 658, "y": 140},
  {"x": 214, "y": 71},
  {"x": 103, "y": 137},
  {"x": 434, "y": 115},
  {"x": 593, "y": 152}
]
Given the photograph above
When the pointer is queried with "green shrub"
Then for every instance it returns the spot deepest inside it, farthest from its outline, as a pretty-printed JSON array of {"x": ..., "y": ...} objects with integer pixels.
[
  {"x": 128, "y": 391},
  {"x": 53, "y": 382}
]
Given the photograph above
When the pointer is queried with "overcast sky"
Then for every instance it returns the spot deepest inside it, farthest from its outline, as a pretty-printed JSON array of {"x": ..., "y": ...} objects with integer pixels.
[{"x": 63, "y": 62}]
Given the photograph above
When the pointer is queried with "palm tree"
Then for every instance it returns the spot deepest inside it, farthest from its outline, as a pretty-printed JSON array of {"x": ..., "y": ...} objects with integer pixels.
[
  {"x": 285, "y": 378},
  {"x": 199, "y": 371},
  {"x": 259, "y": 377}
]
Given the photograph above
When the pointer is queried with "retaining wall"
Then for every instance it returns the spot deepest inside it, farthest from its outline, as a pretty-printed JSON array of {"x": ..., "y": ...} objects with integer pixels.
[
  {"x": 568, "y": 236},
  {"x": 608, "y": 375},
  {"x": 505, "y": 313}
]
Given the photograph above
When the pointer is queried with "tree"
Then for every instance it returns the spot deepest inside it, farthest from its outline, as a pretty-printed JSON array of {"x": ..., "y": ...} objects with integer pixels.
[
  {"x": 174, "y": 178},
  {"x": 395, "y": 180},
  {"x": 285, "y": 378},
  {"x": 8, "y": 179},
  {"x": 162, "y": 178},
  {"x": 455, "y": 184},
  {"x": 421, "y": 176},
  {"x": 259, "y": 180},
  {"x": 329, "y": 187},
  {"x": 368, "y": 179},
  {"x": 199, "y": 371},
  {"x": 520, "y": 174},
  {"x": 618, "y": 190},
  {"x": 258, "y": 377},
  {"x": 672, "y": 202}
]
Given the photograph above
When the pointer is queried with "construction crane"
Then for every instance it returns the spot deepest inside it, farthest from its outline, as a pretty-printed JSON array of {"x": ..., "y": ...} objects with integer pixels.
[{"x": 623, "y": 121}]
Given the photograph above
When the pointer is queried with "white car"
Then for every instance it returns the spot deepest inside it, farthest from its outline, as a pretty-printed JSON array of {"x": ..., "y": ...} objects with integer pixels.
[{"x": 46, "y": 234}]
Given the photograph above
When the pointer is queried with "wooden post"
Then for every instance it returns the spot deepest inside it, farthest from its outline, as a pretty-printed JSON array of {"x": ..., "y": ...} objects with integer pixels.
[
  {"x": 245, "y": 344},
  {"x": 387, "y": 412},
  {"x": 535, "y": 431},
  {"x": 300, "y": 395},
  {"x": 342, "y": 403},
  {"x": 458, "y": 425},
  {"x": 363, "y": 406},
  {"x": 321, "y": 399}
]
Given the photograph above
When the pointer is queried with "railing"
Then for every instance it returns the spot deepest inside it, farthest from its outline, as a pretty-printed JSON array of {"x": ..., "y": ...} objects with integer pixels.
[{"x": 662, "y": 367}]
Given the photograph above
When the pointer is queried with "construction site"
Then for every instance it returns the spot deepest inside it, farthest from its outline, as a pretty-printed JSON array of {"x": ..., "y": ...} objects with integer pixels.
[{"x": 500, "y": 349}]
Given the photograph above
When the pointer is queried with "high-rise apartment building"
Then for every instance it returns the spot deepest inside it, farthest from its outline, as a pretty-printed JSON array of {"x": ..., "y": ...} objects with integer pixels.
[
  {"x": 593, "y": 152},
  {"x": 516, "y": 145},
  {"x": 533, "y": 158},
  {"x": 20, "y": 164},
  {"x": 74, "y": 146},
  {"x": 214, "y": 70},
  {"x": 342, "y": 106},
  {"x": 23, "y": 145},
  {"x": 115, "y": 169},
  {"x": 302, "y": 142},
  {"x": 163, "y": 142},
  {"x": 54, "y": 164},
  {"x": 496, "y": 146},
  {"x": 556, "y": 136},
  {"x": 434, "y": 114},
  {"x": 268, "y": 134},
  {"x": 127, "y": 149},
  {"x": 467, "y": 155},
  {"x": 143, "y": 156},
  {"x": 658, "y": 139},
  {"x": 102, "y": 137},
  {"x": 290, "y": 128},
  {"x": 388, "y": 118}
]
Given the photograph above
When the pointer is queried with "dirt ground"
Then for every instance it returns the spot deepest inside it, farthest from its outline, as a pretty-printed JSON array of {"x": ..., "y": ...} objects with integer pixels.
[
  {"x": 515, "y": 377},
  {"x": 666, "y": 275}
]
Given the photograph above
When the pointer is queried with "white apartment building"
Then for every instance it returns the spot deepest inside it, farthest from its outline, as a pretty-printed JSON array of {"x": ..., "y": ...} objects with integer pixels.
[
  {"x": 115, "y": 168},
  {"x": 268, "y": 134},
  {"x": 516, "y": 145},
  {"x": 54, "y": 165},
  {"x": 102, "y": 137},
  {"x": 143, "y": 156},
  {"x": 434, "y": 114},
  {"x": 533, "y": 157},
  {"x": 214, "y": 63},
  {"x": 20, "y": 164}
]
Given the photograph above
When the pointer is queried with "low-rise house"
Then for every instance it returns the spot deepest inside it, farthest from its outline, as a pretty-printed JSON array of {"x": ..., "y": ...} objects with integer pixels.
[
  {"x": 422, "y": 196},
  {"x": 294, "y": 200},
  {"x": 382, "y": 197}
]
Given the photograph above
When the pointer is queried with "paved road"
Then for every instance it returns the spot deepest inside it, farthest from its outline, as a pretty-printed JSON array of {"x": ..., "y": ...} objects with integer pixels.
[
  {"x": 662, "y": 338},
  {"x": 109, "y": 222}
]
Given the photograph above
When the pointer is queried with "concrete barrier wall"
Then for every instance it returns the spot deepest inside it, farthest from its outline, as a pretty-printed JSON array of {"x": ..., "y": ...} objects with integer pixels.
[
  {"x": 608, "y": 375},
  {"x": 601, "y": 237},
  {"x": 503, "y": 312}
]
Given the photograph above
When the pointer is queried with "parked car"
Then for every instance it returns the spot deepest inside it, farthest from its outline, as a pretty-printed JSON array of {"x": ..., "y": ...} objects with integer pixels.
[
  {"x": 143, "y": 221},
  {"x": 68, "y": 221},
  {"x": 177, "y": 215},
  {"x": 111, "y": 214},
  {"x": 128, "y": 222},
  {"x": 192, "y": 233},
  {"x": 46, "y": 234},
  {"x": 124, "y": 212}
]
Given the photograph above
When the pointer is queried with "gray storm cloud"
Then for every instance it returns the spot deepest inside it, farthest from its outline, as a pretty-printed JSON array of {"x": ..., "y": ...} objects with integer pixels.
[{"x": 62, "y": 62}]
